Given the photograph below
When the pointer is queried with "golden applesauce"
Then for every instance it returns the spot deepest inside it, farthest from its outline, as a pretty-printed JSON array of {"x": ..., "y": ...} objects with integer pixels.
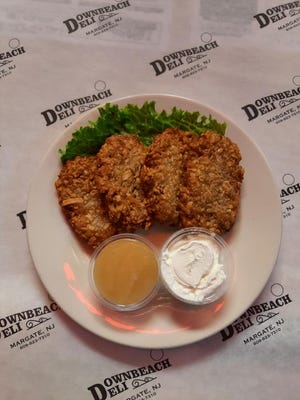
[{"x": 125, "y": 271}]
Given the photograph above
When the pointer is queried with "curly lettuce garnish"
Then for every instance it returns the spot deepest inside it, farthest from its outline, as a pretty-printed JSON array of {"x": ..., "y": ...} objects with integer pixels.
[{"x": 143, "y": 121}]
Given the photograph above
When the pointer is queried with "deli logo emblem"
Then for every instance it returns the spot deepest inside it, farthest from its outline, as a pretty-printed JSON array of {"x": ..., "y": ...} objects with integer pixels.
[
  {"x": 8, "y": 56},
  {"x": 186, "y": 62},
  {"x": 281, "y": 105},
  {"x": 263, "y": 320},
  {"x": 97, "y": 20},
  {"x": 291, "y": 187},
  {"x": 288, "y": 14},
  {"x": 140, "y": 383},
  {"x": 28, "y": 327},
  {"x": 81, "y": 104}
]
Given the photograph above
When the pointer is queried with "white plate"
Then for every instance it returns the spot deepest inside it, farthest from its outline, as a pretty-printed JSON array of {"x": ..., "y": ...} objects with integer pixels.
[{"x": 62, "y": 263}]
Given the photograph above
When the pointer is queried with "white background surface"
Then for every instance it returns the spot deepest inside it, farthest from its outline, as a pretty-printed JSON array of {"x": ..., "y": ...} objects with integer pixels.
[{"x": 258, "y": 360}]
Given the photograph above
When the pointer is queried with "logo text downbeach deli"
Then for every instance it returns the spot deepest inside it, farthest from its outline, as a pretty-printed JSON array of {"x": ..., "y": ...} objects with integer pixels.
[
  {"x": 285, "y": 103},
  {"x": 93, "y": 17},
  {"x": 287, "y": 194},
  {"x": 186, "y": 62},
  {"x": 27, "y": 327},
  {"x": 8, "y": 57},
  {"x": 265, "y": 316},
  {"x": 132, "y": 379},
  {"x": 280, "y": 13},
  {"x": 69, "y": 107}
]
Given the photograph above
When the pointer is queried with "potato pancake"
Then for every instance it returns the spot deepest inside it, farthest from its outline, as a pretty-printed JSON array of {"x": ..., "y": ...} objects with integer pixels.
[
  {"x": 210, "y": 191},
  {"x": 118, "y": 180},
  {"x": 161, "y": 174},
  {"x": 80, "y": 201}
]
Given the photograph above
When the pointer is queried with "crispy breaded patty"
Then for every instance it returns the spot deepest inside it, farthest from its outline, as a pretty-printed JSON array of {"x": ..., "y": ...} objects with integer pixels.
[
  {"x": 80, "y": 200},
  {"x": 210, "y": 191},
  {"x": 161, "y": 174},
  {"x": 118, "y": 180}
]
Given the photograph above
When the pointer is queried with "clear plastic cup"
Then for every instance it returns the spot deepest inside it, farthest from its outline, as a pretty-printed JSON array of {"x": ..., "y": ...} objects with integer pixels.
[
  {"x": 124, "y": 272},
  {"x": 196, "y": 266}
]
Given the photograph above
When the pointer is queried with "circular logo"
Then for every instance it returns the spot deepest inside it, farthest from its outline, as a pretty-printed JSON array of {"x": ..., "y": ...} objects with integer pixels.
[
  {"x": 296, "y": 80},
  {"x": 14, "y": 43},
  {"x": 206, "y": 37},
  {"x": 288, "y": 179},
  {"x": 277, "y": 289},
  {"x": 99, "y": 85},
  {"x": 156, "y": 355}
]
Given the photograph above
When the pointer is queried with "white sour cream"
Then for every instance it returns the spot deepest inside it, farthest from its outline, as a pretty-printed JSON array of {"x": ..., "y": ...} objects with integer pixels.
[{"x": 191, "y": 270}]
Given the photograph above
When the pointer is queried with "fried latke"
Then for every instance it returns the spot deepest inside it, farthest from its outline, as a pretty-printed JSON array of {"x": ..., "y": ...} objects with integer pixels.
[
  {"x": 80, "y": 201},
  {"x": 161, "y": 174},
  {"x": 180, "y": 180},
  {"x": 210, "y": 191},
  {"x": 118, "y": 180}
]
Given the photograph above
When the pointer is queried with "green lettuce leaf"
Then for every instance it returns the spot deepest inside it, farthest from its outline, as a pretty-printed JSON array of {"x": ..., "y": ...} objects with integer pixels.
[{"x": 144, "y": 121}]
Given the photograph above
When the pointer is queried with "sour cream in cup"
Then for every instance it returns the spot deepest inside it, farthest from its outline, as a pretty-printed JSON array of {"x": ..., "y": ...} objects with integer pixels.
[{"x": 196, "y": 266}]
